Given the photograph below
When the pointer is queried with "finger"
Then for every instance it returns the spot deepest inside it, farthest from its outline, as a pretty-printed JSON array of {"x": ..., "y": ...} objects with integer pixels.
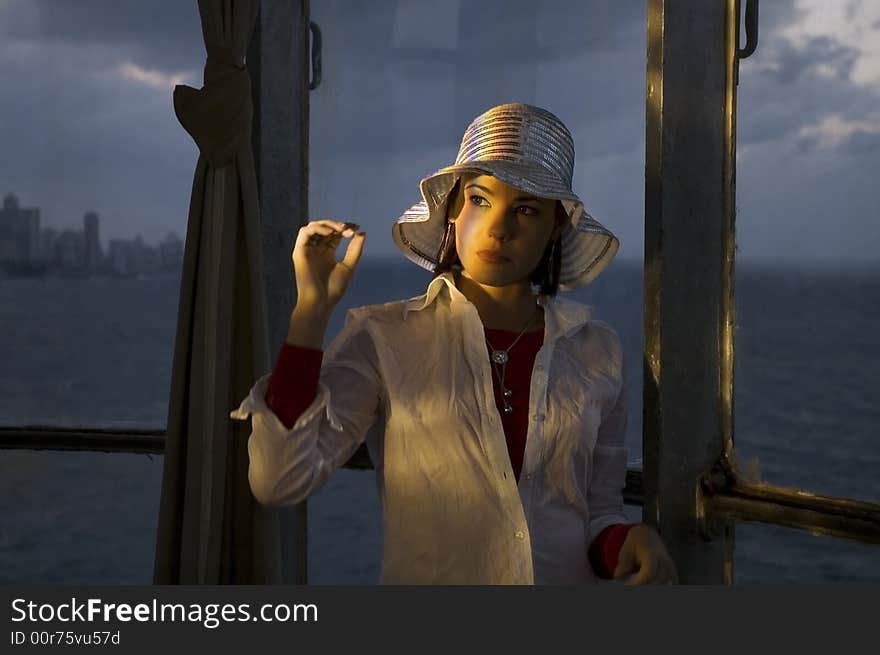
[
  {"x": 327, "y": 222},
  {"x": 337, "y": 226},
  {"x": 332, "y": 241},
  {"x": 354, "y": 250},
  {"x": 317, "y": 241},
  {"x": 625, "y": 563},
  {"x": 326, "y": 236},
  {"x": 645, "y": 575},
  {"x": 323, "y": 228},
  {"x": 313, "y": 234}
]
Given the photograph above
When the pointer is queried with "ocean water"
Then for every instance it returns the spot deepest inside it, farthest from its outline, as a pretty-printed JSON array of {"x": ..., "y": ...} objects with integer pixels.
[{"x": 80, "y": 352}]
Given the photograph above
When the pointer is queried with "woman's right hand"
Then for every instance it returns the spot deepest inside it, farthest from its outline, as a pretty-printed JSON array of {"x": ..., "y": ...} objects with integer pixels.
[{"x": 320, "y": 279}]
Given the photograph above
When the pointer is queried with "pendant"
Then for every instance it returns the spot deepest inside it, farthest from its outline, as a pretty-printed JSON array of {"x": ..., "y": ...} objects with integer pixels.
[{"x": 499, "y": 356}]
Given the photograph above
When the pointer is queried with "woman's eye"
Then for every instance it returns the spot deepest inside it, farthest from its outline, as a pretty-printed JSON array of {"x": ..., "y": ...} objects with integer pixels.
[
  {"x": 528, "y": 211},
  {"x": 478, "y": 200}
]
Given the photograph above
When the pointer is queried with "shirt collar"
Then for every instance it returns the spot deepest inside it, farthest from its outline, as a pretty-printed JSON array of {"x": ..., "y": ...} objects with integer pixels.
[
  {"x": 443, "y": 281},
  {"x": 561, "y": 315}
]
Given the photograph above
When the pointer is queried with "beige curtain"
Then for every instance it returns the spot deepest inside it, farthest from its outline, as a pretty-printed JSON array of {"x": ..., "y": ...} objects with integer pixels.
[{"x": 211, "y": 530}]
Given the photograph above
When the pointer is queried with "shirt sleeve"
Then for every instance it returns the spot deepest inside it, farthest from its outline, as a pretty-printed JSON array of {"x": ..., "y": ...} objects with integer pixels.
[
  {"x": 605, "y": 549},
  {"x": 605, "y": 493},
  {"x": 287, "y": 465},
  {"x": 294, "y": 382}
]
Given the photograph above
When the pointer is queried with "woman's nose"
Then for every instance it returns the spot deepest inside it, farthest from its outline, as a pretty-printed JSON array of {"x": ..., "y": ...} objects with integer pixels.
[{"x": 502, "y": 225}]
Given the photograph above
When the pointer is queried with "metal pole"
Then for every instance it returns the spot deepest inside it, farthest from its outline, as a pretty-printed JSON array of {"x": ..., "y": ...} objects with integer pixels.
[
  {"x": 688, "y": 303},
  {"x": 279, "y": 62},
  {"x": 843, "y": 518}
]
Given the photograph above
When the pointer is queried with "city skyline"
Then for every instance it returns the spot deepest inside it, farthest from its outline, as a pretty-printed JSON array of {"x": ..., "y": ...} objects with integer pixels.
[
  {"x": 74, "y": 225},
  {"x": 28, "y": 249}
]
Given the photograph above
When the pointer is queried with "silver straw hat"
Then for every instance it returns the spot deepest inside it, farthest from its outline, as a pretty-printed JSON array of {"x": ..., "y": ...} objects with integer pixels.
[{"x": 530, "y": 149}]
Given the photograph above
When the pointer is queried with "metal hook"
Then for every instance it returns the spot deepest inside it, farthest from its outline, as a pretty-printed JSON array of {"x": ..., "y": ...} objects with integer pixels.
[
  {"x": 751, "y": 30},
  {"x": 316, "y": 55}
]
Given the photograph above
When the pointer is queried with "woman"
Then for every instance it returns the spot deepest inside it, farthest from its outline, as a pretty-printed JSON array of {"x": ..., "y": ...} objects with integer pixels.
[{"x": 525, "y": 490}]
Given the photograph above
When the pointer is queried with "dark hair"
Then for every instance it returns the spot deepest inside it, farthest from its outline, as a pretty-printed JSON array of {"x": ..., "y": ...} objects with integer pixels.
[{"x": 546, "y": 273}]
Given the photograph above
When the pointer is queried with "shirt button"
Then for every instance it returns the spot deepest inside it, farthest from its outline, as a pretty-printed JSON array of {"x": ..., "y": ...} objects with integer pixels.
[
  {"x": 528, "y": 476},
  {"x": 520, "y": 534},
  {"x": 538, "y": 417}
]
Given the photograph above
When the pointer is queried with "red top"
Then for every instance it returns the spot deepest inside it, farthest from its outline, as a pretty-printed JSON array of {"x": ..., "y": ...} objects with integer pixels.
[
  {"x": 517, "y": 378},
  {"x": 294, "y": 385}
]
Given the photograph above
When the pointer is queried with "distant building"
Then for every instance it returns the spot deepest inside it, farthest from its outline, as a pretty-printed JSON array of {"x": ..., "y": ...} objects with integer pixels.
[
  {"x": 146, "y": 259},
  {"x": 19, "y": 232},
  {"x": 70, "y": 251},
  {"x": 27, "y": 250},
  {"x": 119, "y": 257},
  {"x": 134, "y": 257},
  {"x": 48, "y": 244},
  {"x": 93, "y": 253},
  {"x": 171, "y": 253}
]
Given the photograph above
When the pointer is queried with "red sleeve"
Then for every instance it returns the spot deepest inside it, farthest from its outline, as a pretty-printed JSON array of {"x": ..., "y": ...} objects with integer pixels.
[
  {"x": 606, "y": 547},
  {"x": 294, "y": 382}
]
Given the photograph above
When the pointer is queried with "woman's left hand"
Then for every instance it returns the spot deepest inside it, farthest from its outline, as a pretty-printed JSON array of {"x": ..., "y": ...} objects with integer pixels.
[{"x": 644, "y": 555}]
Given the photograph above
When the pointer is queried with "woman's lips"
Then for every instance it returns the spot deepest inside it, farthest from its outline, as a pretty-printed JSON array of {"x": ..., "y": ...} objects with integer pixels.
[{"x": 491, "y": 257}]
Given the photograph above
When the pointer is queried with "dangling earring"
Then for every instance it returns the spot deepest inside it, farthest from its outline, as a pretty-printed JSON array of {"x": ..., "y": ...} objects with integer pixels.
[
  {"x": 447, "y": 245},
  {"x": 548, "y": 269},
  {"x": 449, "y": 239}
]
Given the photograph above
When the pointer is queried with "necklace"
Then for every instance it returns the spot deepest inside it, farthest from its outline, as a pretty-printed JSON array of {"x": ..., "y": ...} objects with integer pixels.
[{"x": 499, "y": 359}]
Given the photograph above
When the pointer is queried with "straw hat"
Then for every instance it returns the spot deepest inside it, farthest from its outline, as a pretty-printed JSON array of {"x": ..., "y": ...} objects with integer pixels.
[{"x": 530, "y": 149}]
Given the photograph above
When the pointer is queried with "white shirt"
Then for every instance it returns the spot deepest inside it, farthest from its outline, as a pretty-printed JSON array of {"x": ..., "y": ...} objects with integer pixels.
[{"x": 412, "y": 378}]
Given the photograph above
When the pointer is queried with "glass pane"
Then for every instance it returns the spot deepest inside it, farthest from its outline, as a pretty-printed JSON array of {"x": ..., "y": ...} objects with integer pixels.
[
  {"x": 808, "y": 279},
  {"x": 94, "y": 209},
  {"x": 401, "y": 81},
  {"x": 78, "y": 518},
  {"x": 808, "y": 282}
]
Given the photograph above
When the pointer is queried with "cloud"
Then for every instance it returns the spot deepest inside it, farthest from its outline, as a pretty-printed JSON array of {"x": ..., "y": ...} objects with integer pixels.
[
  {"x": 778, "y": 15},
  {"x": 154, "y": 78},
  {"x": 156, "y": 34},
  {"x": 821, "y": 55},
  {"x": 850, "y": 23},
  {"x": 834, "y": 131},
  {"x": 861, "y": 142},
  {"x": 797, "y": 81},
  {"x": 90, "y": 118},
  {"x": 808, "y": 136}
]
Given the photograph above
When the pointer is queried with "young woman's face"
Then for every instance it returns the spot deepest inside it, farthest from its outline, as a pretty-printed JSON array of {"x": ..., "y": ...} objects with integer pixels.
[{"x": 500, "y": 232}]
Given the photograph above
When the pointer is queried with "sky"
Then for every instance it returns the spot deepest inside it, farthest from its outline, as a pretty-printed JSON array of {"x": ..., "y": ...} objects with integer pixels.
[{"x": 87, "y": 122}]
